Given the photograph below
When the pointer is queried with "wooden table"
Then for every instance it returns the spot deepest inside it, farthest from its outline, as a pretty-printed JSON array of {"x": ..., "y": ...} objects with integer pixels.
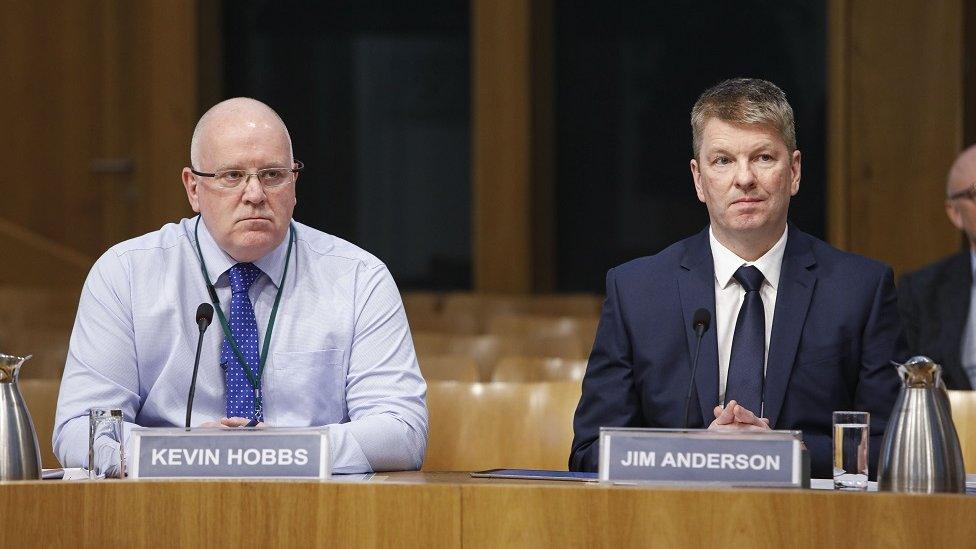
[{"x": 454, "y": 510}]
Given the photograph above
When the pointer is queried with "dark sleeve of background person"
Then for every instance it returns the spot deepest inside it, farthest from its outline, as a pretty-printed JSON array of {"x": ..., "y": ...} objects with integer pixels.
[
  {"x": 609, "y": 397},
  {"x": 934, "y": 306},
  {"x": 908, "y": 310}
]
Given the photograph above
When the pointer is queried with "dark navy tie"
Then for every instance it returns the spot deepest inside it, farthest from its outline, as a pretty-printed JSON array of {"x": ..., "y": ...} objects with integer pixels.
[
  {"x": 244, "y": 327},
  {"x": 744, "y": 383}
]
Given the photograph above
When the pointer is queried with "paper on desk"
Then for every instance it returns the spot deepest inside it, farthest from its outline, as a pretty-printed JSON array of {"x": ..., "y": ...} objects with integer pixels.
[
  {"x": 357, "y": 477},
  {"x": 75, "y": 473},
  {"x": 828, "y": 484}
]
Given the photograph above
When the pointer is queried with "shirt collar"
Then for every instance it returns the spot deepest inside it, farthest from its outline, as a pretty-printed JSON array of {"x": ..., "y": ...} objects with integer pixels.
[
  {"x": 726, "y": 262},
  {"x": 218, "y": 261},
  {"x": 273, "y": 263}
]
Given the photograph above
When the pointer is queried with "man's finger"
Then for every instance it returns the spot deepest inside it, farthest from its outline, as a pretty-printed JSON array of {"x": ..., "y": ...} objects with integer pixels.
[
  {"x": 725, "y": 416},
  {"x": 745, "y": 416},
  {"x": 234, "y": 421}
]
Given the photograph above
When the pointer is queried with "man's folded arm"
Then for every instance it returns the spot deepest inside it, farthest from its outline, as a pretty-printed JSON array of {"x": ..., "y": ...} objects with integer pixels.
[
  {"x": 385, "y": 392},
  {"x": 609, "y": 396}
]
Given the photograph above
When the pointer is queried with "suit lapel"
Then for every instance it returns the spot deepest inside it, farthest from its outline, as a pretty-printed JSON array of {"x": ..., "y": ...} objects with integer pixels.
[
  {"x": 796, "y": 284},
  {"x": 952, "y": 301},
  {"x": 696, "y": 288}
]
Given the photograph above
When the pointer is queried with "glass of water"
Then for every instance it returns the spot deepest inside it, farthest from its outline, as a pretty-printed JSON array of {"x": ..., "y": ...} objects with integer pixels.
[
  {"x": 106, "y": 451},
  {"x": 851, "y": 450}
]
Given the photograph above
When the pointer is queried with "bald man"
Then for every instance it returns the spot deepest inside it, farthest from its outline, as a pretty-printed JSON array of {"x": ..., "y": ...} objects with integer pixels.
[
  {"x": 310, "y": 330},
  {"x": 938, "y": 302}
]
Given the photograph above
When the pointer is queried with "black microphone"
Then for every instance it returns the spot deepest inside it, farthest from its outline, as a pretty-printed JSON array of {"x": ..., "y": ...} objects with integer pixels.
[
  {"x": 204, "y": 317},
  {"x": 699, "y": 323}
]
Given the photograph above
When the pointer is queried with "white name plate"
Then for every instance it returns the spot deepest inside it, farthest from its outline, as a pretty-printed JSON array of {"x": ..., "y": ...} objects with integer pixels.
[
  {"x": 230, "y": 453},
  {"x": 678, "y": 456}
]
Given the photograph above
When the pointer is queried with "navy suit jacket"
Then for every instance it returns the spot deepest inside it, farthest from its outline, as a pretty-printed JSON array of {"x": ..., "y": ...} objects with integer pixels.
[
  {"x": 835, "y": 329},
  {"x": 934, "y": 305}
]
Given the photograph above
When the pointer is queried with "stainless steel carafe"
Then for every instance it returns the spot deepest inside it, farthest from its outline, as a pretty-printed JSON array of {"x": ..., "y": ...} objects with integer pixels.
[
  {"x": 920, "y": 451},
  {"x": 19, "y": 455}
]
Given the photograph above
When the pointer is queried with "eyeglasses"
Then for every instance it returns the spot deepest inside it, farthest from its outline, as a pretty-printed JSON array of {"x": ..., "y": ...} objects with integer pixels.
[
  {"x": 969, "y": 193},
  {"x": 269, "y": 177}
]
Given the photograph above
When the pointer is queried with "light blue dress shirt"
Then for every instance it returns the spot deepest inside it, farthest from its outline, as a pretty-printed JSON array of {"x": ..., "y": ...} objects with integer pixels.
[
  {"x": 969, "y": 335},
  {"x": 341, "y": 352}
]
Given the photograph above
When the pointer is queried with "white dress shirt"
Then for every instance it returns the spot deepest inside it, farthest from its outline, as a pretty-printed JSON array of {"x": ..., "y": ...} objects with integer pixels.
[
  {"x": 341, "y": 352},
  {"x": 729, "y": 294}
]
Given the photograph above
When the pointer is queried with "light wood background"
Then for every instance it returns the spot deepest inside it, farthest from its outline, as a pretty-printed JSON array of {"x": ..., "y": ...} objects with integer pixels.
[
  {"x": 896, "y": 119},
  {"x": 100, "y": 100}
]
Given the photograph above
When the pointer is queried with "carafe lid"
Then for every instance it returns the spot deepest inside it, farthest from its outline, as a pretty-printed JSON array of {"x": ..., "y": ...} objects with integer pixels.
[
  {"x": 920, "y": 371},
  {"x": 10, "y": 366}
]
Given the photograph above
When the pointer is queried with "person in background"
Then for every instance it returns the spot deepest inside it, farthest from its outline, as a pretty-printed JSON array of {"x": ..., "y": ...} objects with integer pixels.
[{"x": 936, "y": 302}]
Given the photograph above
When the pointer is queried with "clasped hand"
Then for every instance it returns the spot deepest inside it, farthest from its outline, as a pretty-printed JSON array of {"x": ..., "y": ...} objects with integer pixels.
[{"x": 734, "y": 417}]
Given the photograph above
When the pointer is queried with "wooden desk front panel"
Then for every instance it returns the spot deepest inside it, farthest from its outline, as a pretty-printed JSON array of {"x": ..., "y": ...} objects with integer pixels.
[
  {"x": 592, "y": 516},
  {"x": 453, "y": 510},
  {"x": 229, "y": 514}
]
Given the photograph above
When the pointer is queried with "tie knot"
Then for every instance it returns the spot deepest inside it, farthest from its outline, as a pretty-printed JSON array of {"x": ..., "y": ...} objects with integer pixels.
[
  {"x": 242, "y": 276},
  {"x": 750, "y": 277}
]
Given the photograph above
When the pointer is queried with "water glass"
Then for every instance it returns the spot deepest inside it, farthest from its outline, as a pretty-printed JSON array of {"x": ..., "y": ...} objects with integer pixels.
[
  {"x": 106, "y": 452},
  {"x": 851, "y": 431}
]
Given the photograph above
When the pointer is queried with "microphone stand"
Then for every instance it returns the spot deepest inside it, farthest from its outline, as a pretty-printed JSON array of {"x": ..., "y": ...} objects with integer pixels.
[{"x": 204, "y": 316}]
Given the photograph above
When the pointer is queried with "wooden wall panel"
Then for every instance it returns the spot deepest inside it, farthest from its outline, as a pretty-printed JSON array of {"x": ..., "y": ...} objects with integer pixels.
[
  {"x": 501, "y": 161},
  {"x": 101, "y": 98},
  {"x": 896, "y": 119},
  {"x": 165, "y": 112},
  {"x": 513, "y": 141},
  {"x": 969, "y": 68},
  {"x": 49, "y": 62},
  {"x": 31, "y": 260},
  {"x": 838, "y": 122}
]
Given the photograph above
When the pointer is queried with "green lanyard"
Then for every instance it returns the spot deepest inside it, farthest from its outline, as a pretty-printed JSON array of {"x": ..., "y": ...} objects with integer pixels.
[{"x": 254, "y": 378}]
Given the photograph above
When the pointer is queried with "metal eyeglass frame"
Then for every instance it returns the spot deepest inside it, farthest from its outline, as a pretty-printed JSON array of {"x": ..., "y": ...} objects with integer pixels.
[
  {"x": 969, "y": 193},
  {"x": 299, "y": 166}
]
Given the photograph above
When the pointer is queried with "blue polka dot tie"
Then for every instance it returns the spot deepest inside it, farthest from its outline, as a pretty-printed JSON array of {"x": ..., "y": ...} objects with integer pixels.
[{"x": 244, "y": 327}]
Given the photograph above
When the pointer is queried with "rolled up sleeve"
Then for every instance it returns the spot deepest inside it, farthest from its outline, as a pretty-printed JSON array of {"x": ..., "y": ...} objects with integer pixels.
[
  {"x": 101, "y": 369},
  {"x": 385, "y": 392}
]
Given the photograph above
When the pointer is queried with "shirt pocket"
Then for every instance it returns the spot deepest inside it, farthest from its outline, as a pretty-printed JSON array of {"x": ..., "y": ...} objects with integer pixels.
[{"x": 308, "y": 389}]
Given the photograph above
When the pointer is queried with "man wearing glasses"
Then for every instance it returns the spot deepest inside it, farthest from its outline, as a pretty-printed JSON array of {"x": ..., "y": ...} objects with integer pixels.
[
  {"x": 936, "y": 302},
  {"x": 310, "y": 329}
]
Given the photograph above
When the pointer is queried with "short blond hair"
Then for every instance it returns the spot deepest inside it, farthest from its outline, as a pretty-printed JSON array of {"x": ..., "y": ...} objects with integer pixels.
[{"x": 743, "y": 101}]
